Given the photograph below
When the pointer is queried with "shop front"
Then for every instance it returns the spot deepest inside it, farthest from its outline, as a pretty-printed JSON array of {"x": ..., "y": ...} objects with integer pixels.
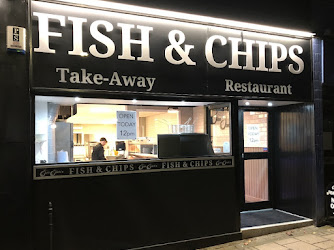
[{"x": 197, "y": 120}]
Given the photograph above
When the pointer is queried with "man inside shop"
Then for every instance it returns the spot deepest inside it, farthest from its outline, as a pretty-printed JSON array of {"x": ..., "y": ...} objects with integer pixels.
[{"x": 98, "y": 150}]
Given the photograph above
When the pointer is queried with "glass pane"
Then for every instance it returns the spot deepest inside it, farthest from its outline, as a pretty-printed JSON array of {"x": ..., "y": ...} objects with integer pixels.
[
  {"x": 256, "y": 180},
  {"x": 255, "y": 131},
  {"x": 220, "y": 130},
  {"x": 68, "y": 131}
]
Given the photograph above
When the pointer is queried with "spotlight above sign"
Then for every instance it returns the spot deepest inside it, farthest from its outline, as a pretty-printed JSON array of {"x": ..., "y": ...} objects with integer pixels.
[{"x": 186, "y": 17}]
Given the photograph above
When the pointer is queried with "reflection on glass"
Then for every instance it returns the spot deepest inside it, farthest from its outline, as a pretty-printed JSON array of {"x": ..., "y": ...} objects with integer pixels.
[
  {"x": 220, "y": 130},
  {"x": 256, "y": 180},
  {"x": 255, "y": 131}
]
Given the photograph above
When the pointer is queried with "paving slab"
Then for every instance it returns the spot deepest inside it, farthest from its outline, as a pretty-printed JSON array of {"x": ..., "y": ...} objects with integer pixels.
[
  {"x": 271, "y": 246},
  {"x": 300, "y": 245},
  {"x": 311, "y": 238},
  {"x": 325, "y": 244},
  {"x": 329, "y": 236},
  {"x": 304, "y": 238},
  {"x": 286, "y": 241}
]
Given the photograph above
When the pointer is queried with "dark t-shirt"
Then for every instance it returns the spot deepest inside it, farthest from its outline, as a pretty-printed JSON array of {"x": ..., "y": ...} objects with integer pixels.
[{"x": 98, "y": 152}]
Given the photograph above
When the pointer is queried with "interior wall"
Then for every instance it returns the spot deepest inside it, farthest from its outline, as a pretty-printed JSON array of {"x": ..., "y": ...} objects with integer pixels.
[
  {"x": 159, "y": 124},
  {"x": 100, "y": 130},
  {"x": 295, "y": 159},
  {"x": 199, "y": 116},
  {"x": 41, "y": 132}
]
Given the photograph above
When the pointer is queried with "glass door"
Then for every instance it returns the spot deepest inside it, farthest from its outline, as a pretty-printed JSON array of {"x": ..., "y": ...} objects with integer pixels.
[{"x": 255, "y": 159}]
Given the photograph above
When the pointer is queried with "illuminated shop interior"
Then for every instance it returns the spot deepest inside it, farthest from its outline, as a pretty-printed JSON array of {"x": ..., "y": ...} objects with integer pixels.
[{"x": 67, "y": 129}]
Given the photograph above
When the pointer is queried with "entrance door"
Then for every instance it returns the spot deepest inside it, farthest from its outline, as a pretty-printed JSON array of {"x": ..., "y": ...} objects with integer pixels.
[{"x": 255, "y": 148}]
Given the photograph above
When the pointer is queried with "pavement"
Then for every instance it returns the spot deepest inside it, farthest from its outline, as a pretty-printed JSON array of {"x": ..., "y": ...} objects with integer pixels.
[{"x": 304, "y": 238}]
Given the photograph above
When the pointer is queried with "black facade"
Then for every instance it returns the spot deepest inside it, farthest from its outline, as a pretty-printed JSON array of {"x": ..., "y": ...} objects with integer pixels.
[
  {"x": 156, "y": 210},
  {"x": 16, "y": 182},
  {"x": 295, "y": 152}
]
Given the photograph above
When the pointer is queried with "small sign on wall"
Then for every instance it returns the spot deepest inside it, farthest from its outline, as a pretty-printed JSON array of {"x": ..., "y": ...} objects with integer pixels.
[
  {"x": 330, "y": 201},
  {"x": 252, "y": 135},
  {"x": 16, "y": 39},
  {"x": 126, "y": 125}
]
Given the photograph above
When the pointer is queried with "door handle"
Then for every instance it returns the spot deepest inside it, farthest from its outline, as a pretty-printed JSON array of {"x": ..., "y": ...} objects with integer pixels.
[{"x": 242, "y": 156}]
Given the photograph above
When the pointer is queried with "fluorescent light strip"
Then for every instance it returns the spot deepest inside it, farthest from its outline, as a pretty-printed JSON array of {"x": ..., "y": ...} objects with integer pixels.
[{"x": 179, "y": 16}]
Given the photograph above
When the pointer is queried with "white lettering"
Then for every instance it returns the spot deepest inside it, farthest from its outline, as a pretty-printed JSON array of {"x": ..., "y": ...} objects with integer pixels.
[
  {"x": 177, "y": 53},
  {"x": 150, "y": 82},
  {"x": 89, "y": 170},
  {"x": 115, "y": 79},
  {"x": 127, "y": 41},
  {"x": 141, "y": 82},
  {"x": 44, "y": 33},
  {"x": 237, "y": 87},
  {"x": 129, "y": 80},
  {"x": 184, "y": 54},
  {"x": 209, "y": 52},
  {"x": 77, "y": 36},
  {"x": 86, "y": 76},
  {"x": 98, "y": 79},
  {"x": 296, "y": 59},
  {"x": 62, "y": 73},
  {"x": 75, "y": 77},
  {"x": 262, "y": 56},
  {"x": 275, "y": 57},
  {"x": 229, "y": 85},
  {"x": 235, "y": 54},
  {"x": 249, "y": 87},
  {"x": 101, "y": 38}
]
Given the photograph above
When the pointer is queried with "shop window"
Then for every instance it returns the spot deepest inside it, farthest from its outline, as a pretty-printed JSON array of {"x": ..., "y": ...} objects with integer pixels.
[
  {"x": 220, "y": 128},
  {"x": 67, "y": 131}
]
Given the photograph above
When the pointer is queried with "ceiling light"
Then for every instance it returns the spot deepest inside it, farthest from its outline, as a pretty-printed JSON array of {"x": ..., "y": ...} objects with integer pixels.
[
  {"x": 270, "y": 104},
  {"x": 77, "y": 99},
  {"x": 134, "y": 101},
  {"x": 247, "y": 103}
]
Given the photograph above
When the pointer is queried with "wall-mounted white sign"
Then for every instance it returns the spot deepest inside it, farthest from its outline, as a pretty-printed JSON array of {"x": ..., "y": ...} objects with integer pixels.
[
  {"x": 16, "y": 39},
  {"x": 252, "y": 135},
  {"x": 126, "y": 125}
]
